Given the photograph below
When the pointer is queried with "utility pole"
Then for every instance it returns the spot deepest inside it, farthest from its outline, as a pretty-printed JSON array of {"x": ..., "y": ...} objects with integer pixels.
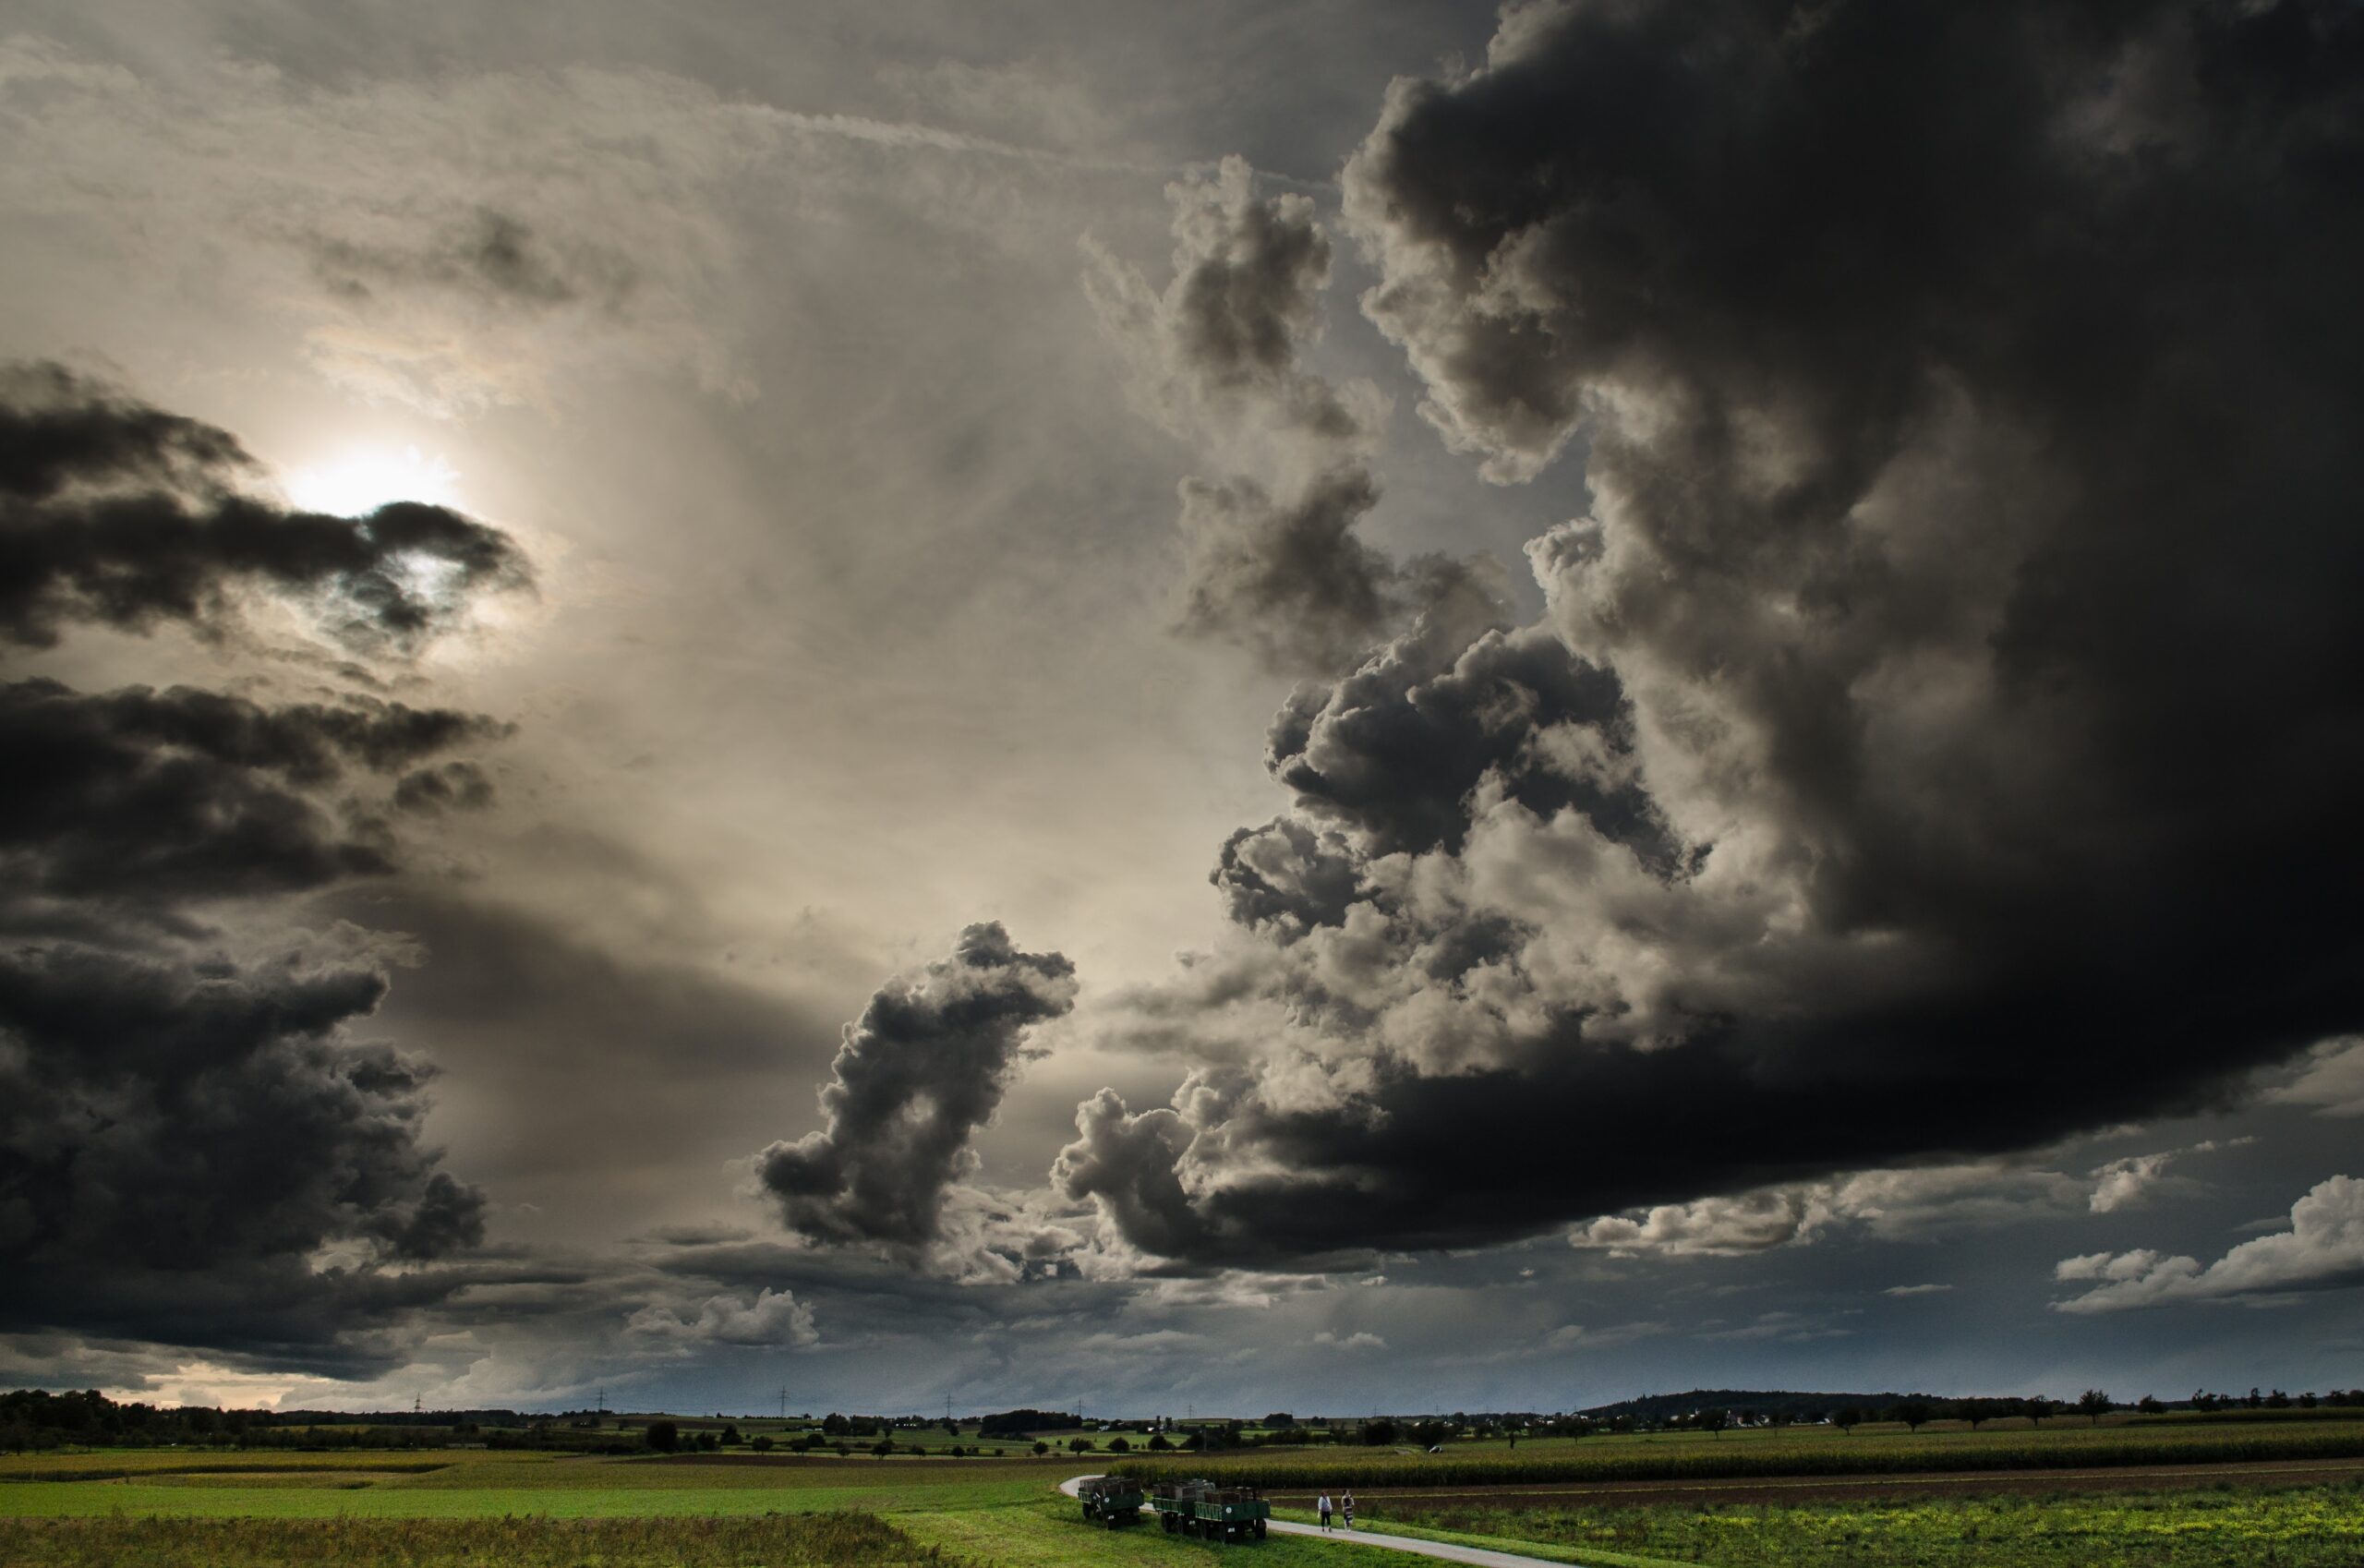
[
  {"x": 603, "y": 1402},
  {"x": 783, "y": 1403}
]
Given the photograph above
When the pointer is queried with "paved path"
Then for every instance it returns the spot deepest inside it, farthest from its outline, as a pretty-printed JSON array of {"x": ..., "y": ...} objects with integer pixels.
[{"x": 1446, "y": 1550}]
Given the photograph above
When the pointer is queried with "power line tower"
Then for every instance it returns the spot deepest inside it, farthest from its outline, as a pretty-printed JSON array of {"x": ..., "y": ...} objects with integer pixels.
[
  {"x": 783, "y": 1402},
  {"x": 603, "y": 1402}
]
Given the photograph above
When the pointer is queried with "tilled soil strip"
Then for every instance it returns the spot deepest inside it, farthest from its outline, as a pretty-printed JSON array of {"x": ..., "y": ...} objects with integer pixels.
[{"x": 1850, "y": 1488}]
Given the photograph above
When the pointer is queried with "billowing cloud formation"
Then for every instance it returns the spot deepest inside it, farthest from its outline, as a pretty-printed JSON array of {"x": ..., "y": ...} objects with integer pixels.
[
  {"x": 115, "y": 513},
  {"x": 1965, "y": 397},
  {"x": 183, "y": 1148},
  {"x": 773, "y": 1318},
  {"x": 195, "y": 1148},
  {"x": 2322, "y": 1250},
  {"x": 1271, "y": 559},
  {"x": 920, "y": 1071}
]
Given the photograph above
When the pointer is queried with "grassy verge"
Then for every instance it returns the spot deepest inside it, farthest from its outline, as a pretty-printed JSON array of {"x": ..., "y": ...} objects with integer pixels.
[
  {"x": 1052, "y": 1534},
  {"x": 1555, "y": 1551}
]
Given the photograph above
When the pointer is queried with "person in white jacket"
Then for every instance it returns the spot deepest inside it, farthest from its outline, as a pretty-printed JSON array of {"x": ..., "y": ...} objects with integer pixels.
[{"x": 1322, "y": 1505}]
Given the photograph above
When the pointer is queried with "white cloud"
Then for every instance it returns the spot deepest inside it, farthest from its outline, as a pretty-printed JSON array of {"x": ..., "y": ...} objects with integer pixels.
[
  {"x": 1901, "y": 1290},
  {"x": 2323, "y": 1249},
  {"x": 1350, "y": 1341},
  {"x": 2331, "y": 1080},
  {"x": 773, "y": 1318}
]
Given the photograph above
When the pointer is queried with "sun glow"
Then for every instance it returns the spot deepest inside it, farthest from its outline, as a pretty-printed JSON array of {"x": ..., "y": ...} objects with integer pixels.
[{"x": 361, "y": 480}]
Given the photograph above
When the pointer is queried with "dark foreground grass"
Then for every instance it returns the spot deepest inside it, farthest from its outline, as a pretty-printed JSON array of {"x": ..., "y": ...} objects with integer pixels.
[
  {"x": 2316, "y": 1527},
  {"x": 800, "y": 1540}
]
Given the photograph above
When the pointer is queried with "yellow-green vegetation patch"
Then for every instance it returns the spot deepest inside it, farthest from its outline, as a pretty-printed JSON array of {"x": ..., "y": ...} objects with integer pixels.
[
  {"x": 809, "y": 1541},
  {"x": 2315, "y": 1526},
  {"x": 1051, "y": 1533}
]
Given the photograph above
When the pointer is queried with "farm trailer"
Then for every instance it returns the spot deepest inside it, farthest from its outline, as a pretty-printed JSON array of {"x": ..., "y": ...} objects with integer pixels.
[{"x": 1218, "y": 1513}]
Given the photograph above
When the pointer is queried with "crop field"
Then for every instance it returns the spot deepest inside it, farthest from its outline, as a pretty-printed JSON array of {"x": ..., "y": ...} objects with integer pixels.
[
  {"x": 2309, "y": 1527},
  {"x": 1794, "y": 1452},
  {"x": 445, "y": 1508}
]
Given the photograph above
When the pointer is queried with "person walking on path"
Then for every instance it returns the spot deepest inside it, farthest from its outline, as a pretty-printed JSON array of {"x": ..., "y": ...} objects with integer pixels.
[
  {"x": 1346, "y": 1510},
  {"x": 1324, "y": 1506}
]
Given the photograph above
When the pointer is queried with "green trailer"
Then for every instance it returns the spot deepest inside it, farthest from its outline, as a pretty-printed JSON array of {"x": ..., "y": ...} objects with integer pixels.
[
  {"x": 1111, "y": 1501},
  {"x": 1222, "y": 1515}
]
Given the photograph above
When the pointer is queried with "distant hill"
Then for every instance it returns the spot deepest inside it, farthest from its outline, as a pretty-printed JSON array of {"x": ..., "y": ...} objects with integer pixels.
[{"x": 1787, "y": 1402}]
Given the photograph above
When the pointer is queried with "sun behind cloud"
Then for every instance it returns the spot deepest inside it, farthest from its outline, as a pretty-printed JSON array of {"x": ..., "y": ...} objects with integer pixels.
[{"x": 361, "y": 480}]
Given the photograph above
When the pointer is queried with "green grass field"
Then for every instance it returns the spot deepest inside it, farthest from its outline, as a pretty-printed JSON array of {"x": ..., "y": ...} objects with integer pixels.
[{"x": 446, "y": 1508}]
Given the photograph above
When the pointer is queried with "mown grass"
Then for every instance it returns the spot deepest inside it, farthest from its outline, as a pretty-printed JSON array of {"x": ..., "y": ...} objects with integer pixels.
[
  {"x": 814, "y": 1541},
  {"x": 1809, "y": 1453},
  {"x": 1050, "y": 1534},
  {"x": 2313, "y": 1526}
]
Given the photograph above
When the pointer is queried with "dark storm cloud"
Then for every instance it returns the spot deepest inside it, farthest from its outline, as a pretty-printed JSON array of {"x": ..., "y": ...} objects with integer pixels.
[
  {"x": 1959, "y": 730},
  {"x": 178, "y": 1142},
  {"x": 1273, "y": 565},
  {"x": 491, "y": 254},
  {"x": 920, "y": 1071},
  {"x": 449, "y": 786},
  {"x": 115, "y": 513},
  {"x": 144, "y": 798},
  {"x": 193, "y": 1150},
  {"x": 1392, "y": 751}
]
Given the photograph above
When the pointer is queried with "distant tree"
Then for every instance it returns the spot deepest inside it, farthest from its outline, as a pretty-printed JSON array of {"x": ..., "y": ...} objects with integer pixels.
[
  {"x": 762, "y": 1444},
  {"x": 2307, "y": 1400},
  {"x": 1041, "y": 1448},
  {"x": 1194, "y": 1441},
  {"x": 1379, "y": 1433},
  {"x": 835, "y": 1424},
  {"x": 662, "y": 1435},
  {"x": 883, "y": 1447},
  {"x": 2149, "y": 1404},
  {"x": 1080, "y": 1446},
  {"x": 1118, "y": 1445},
  {"x": 951, "y": 1427},
  {"x": 2277, "y": 1400},
  {"x": 845, "y": 1450},
  {"x": 709, "y": 1443},
  {"x": 2092, "y": 1404},
  {"x": 2035, "y": 1410},
  {"x": 730, "y": 1438},
  {"x": 1847, "y": 1418},
  {"x": 1711, "y": 1421},
  {"x": 1911, "y": 1412},
  {"x": 1157, "y": 1442}
]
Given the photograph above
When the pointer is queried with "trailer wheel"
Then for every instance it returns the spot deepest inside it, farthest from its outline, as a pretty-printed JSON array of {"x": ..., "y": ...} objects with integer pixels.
[
  {"x": 1260, "y": 1529},
  {"x": 1169, "y": 1521}
]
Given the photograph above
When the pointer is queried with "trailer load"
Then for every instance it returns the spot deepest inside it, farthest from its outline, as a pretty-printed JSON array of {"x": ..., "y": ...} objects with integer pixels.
[
  {"x": 1110, "y": 1500},
  {"x": 1211, "y": 1512}
]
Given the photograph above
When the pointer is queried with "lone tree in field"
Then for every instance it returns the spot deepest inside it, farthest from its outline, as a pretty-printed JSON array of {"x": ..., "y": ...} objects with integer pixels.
[
  {"x": 662, "y": 1435},
  {"x": 1847, "y": 1418},
  {"x": 2092, "y": 1402},
  {"x": 1911, "y": 1412}
]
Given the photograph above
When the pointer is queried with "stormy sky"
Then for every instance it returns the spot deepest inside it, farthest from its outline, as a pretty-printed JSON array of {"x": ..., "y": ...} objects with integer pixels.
[{"x": 1330, "y": 707}]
